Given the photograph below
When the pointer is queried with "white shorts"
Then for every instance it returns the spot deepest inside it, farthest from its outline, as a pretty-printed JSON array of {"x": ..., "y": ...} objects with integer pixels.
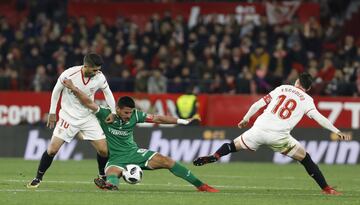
[
  {"x": 279, "y": 142},
  {"x": 90, "y": 130}
]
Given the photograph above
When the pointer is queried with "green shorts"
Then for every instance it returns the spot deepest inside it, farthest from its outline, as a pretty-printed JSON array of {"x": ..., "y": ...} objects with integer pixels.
[{"x": 140, "y": 157}]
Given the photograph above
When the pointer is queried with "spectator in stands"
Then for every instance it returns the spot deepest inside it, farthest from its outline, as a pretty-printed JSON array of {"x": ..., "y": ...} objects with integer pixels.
[
  {"x": 332, "y": 33},
  {"x": 141, "y": 81},
  {"x": 313, "y": 68},
  {"x": 327, "y": 72},
  {"x": 41, "y": 81},
  {"x": 125, "y": 83},
  {"x": 210, "y": 54},
  {"x": 338, "y": 86},
  {"x": 348, "y": 49},
  {"x": 116, "y": 67},
  {"x": 260, "y": 59},
  {"x": 245, "y": 82},
  {"x": 157, "y": 82}
]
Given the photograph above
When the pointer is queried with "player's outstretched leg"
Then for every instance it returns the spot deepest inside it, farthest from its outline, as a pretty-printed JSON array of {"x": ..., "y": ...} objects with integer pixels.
[
  {"x": 44, "y": 164},
  {"x": 159, "y": 161},
  {"x": 180, "y": 171},
  {"x": 314, "y": 171},
  {"x": 225, "y": 149},
  {"x": 46, "y": 160}
]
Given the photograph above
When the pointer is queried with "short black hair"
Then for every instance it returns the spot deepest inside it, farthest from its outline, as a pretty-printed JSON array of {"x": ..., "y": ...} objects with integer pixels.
[
  {"x": 306, "y": 80},
  {"x": 126, "y": 101},
  {"x": 93, "y": 60}
]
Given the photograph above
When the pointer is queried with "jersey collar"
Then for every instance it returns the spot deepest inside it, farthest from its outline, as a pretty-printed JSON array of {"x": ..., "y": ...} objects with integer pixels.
[{"x": 83, "y": 77}]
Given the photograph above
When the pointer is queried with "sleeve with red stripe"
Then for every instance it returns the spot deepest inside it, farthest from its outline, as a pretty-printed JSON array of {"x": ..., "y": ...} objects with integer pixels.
[
  {"x": 267, "y": 98},
  {"x": 149, "y": 118}
]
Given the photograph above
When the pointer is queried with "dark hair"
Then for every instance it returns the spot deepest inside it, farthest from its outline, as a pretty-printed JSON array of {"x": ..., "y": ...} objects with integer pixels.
[
  {"x": 305, "y": 80},
  {"x": 126, "y": 101},
  {"x": 93, "y": 60}
]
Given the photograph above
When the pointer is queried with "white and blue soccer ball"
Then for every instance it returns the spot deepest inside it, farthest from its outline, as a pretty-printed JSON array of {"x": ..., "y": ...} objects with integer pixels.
[{"x": 132, "y": 174}]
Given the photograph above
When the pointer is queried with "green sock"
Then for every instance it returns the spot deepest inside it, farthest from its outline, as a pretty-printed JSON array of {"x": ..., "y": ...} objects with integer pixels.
[
  {"x": 182, "y": 172},
  {"x": 113, "y": 179}
]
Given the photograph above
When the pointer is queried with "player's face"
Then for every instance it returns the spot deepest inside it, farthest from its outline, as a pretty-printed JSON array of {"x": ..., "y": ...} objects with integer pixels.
[
  {"x": 91, "y": 71},
  {"x": 124, "y": 113}
]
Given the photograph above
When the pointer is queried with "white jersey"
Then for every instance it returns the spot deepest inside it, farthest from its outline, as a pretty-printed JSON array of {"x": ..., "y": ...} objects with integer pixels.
[
  {"x": 71, "y": 108},
  {"x": 286, "y": 105}
]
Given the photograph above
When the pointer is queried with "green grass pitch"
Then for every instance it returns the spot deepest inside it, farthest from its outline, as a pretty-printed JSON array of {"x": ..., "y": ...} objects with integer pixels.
[{"x": 70, "y": 182}]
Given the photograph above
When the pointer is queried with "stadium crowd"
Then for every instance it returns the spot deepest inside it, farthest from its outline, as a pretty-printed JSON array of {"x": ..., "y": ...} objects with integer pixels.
[{"x": 166, "y": 56}]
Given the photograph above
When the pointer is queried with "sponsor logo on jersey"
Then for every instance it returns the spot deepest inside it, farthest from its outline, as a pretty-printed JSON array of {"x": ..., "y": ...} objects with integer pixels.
[{"x": 118, "y": 132}]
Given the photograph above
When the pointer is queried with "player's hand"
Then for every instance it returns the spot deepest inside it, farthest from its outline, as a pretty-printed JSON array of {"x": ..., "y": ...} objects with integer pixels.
[
  {"x": 110, "y": 118},
  {"x": 51, "y": 121},
  {"x": 243, "y": 123},
  {"x": 69, "y": 84},
  {"x": 194, "y": 122},
  {"x": 343, "y": 136}
]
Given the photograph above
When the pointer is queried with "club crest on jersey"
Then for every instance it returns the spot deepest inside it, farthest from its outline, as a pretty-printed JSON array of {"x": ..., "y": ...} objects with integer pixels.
[{"x": 92, "y": 90}]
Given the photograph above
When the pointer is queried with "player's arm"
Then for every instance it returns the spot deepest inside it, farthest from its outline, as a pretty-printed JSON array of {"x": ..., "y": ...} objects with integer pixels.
[
  {"x": 55, "y": 95},
  {"x": 161, "y": 119},
  {"x": 83, "y": 98},
  {"x": 252, "y": 110},
  {"x": 324, "y": 122},
  {"x": 109, "y": 98}
]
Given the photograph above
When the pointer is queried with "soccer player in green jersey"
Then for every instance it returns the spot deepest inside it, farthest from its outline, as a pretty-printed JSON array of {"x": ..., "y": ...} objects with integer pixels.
[{"x": 123, "y": 150}]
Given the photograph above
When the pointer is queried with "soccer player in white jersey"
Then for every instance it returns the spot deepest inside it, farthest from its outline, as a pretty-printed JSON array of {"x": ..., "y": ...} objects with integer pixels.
[
  {"x": 74, "y": 117},
  {"x": 286, "y": 105}
]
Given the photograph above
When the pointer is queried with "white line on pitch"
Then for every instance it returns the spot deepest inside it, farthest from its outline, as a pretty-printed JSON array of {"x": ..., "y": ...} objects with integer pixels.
[
  {"x": 155, "y": 192},
  {"x": 168, "y": 184}
]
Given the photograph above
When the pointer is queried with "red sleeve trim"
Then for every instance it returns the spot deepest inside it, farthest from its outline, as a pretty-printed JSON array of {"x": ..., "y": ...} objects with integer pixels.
[
  {"x": 149, "y": 118},
  {"x": 74, "y": 73},
  {"x": 267, "y": 98}
]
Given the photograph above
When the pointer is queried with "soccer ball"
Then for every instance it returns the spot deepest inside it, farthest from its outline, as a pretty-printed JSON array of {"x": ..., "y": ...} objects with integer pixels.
[{"x": 132, "y": 174}]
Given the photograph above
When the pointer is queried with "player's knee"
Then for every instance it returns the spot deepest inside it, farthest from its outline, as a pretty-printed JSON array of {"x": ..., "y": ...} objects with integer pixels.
[
  {"x": 52, "y": 151},
  {"x": 113, "y": 171},
  {"x": 103, "y": 152},
  {"x": 102, "y": 149},
  {"x": 168, "y": 162},
  {"x": 237, "y": 143}
]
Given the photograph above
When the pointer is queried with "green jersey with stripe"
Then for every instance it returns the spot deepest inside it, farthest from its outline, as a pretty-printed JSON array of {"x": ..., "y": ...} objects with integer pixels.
[{"x": 120, "y": 134}]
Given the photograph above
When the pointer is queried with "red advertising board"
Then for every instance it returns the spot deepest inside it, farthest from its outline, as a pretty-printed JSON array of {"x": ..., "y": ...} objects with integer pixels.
[{"x": 215, "y": 110}]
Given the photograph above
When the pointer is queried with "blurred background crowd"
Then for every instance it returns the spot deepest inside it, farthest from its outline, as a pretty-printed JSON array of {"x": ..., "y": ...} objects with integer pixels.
[{"x": 168, "y": 56}]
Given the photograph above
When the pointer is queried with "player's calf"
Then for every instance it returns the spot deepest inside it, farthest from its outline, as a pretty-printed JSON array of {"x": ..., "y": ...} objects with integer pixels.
[{"x": 314, "y": 171}]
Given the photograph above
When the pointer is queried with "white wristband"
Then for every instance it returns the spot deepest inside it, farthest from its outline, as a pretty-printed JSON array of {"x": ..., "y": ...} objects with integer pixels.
[{"x": 182, "y": 121}]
